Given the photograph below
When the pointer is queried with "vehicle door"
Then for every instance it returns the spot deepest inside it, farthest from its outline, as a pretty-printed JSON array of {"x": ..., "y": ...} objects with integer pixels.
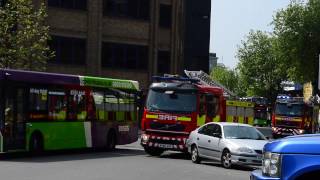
[
  {"x": 15, "y": 119},
  {"x": 202, "y": 140},
  {"x": 214, "y": 141}
]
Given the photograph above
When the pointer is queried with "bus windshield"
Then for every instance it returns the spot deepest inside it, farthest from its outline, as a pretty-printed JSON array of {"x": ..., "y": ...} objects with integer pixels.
[
  {"x": 171, "y": 101},
  {"x": 289, "y": 109}
]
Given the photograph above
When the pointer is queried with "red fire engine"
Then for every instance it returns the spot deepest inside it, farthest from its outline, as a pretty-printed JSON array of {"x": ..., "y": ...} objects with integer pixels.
[
  {"x": 174, "y": 107},
  {"x": 293, "y": 116}
]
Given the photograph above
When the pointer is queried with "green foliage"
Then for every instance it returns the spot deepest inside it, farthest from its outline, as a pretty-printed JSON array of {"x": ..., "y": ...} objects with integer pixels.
[
  {"x": 228, "y": 78},
  {"x": 289, "y": 53},
  {"x": 259, "y": 65},
  {"x": 23, "y": 36},
  {"x": 297, "y": 29}
]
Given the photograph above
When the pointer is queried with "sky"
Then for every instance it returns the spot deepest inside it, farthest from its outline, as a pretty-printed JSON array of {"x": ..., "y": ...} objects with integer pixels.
[{"x": 232, "y": 20}]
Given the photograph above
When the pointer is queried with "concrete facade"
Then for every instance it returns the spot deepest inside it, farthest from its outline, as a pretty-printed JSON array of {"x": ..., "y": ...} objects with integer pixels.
[{"x": 91, "y": 24}]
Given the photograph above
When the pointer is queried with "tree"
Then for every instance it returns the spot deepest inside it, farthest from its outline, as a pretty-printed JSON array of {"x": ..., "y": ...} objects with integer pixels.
[
  {"x": 228, "y": 78},
  {"x": 298, "y": 32},
  {"x": 23, "y": 36},
  {"x": 260, "y": 68}
]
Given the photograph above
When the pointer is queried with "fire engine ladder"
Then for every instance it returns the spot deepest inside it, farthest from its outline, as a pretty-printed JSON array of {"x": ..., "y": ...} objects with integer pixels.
[{"x": 205, "y": 79}]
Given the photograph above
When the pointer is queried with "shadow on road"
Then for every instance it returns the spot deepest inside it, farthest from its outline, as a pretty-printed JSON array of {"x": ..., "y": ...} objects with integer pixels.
[
  {"x": 69, "y": 155},
  {"x": 175, "y": 155},
  {"x": 234, "y": 167}
]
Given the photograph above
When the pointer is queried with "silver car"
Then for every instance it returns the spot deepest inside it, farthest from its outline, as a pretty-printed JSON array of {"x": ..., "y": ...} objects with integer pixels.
[{"x": 229, "y": 143}]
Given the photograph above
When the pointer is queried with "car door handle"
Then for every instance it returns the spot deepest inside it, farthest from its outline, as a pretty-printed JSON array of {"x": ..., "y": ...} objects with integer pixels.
[
  {"x": 198, "y": 139},
  {"x": 209, "y": 141}
]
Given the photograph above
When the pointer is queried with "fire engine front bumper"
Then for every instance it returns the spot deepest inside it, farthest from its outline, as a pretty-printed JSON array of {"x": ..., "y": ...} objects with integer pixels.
[
  {"x": 164, "y": 142},
  {"x": 283, "y": 131}
]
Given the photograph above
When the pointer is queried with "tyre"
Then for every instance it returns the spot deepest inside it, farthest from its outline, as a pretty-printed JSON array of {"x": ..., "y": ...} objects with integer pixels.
[
  {"x": 111, "y": 141},
  {"x": 195, "y": 155},
  {"x": 153, "y": 151},
  {"x": 226, "y": 159},
  {"x": 36, "y": 144}
]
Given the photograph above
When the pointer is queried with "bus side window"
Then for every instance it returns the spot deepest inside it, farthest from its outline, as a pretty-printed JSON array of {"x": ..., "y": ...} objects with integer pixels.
[
  {"x": 38, "y": 109},
  {"x": 111, "y": 105},
  {"x": 77, "y": 105},
  {"x": 98, "y": 105},
  {"x": 57, "y": 102}
]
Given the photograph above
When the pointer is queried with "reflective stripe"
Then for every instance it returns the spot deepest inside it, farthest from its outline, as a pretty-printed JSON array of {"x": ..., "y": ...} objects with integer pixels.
[
  {"x": 229, "y": 118},
  {"x": 240, "y": 103},
  {"x": 151, "y": 116},
  {"x": 240, "y": 119},
  {"x": 184, "y": 118},
  {"x": 201, "y": 120},
  {"x": 216, "y": 119},
  {"x": 250, "y": 120}
]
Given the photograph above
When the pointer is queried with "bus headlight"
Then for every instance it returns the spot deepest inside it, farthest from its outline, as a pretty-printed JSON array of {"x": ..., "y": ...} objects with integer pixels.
[{"x": 271, "y": 164}]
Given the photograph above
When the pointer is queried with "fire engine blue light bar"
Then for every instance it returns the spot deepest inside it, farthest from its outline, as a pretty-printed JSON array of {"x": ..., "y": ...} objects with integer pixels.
[{"x": 161, "y": 78}]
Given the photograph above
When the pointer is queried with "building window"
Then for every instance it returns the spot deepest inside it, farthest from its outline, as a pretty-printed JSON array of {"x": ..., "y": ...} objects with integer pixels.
[
  {"x": 69, "y": 4},
  {"x": 2, "y": 3},
  {"x": 68, "y": 50},
  {"x": 139, "y": 9},
  {"x": 165, "y": 16},
  {"x": 163, "y": 62},
  {"x": 124, "y": 56}
]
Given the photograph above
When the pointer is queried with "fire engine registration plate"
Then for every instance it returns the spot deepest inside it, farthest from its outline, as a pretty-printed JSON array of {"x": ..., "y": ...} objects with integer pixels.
[{"x": 165, "y": 145}]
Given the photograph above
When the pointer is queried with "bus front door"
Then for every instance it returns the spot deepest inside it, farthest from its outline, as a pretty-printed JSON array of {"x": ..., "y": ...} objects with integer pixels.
[{"x": 14, "y": 111}]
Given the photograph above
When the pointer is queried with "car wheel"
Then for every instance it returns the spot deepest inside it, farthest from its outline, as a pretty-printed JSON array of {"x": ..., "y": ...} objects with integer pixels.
[
  {"x": 195, "y": 155},
  {"x": 226, "y": 159}
]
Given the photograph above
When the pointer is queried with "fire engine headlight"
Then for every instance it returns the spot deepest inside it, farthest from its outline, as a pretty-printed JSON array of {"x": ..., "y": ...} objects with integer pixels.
[
  {"x": 271, "y": 164},
  {"x": 144, "y": 138},
  {"x": 301, "y": 131}
]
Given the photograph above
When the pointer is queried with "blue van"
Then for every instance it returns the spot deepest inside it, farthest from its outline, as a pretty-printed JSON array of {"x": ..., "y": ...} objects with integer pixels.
[{"x": 290, "y": 158}]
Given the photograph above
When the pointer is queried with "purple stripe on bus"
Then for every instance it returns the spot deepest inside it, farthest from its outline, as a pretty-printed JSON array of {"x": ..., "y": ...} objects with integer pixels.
[{"x": 39, "y": 77}]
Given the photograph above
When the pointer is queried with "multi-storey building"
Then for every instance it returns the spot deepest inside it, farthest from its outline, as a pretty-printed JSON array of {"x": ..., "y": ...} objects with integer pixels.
[{"x": 132, "y": 39}]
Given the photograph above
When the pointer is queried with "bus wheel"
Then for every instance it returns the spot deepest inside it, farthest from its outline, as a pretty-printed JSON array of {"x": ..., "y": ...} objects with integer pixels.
[
  {"x": 153, "y": 151},
  {"x": 36, "y": 144},
  {"x": 111, "y": 141}
]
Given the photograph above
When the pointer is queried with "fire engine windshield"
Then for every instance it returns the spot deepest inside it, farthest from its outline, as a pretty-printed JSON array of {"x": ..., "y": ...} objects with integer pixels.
[
  {"x": 171, "y": 101},
  {"x": 289, "y": 109}
]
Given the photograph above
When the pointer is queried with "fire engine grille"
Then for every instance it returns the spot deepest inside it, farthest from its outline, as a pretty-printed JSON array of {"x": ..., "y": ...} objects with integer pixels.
[
  {"x": 167, "y": 127},
  {"x": 288, "y": 124},
  {"x": 163, "y": 141}
]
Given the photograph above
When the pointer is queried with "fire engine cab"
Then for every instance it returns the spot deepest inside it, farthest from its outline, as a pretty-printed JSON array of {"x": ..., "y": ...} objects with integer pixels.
[
  {"x": 293, "y": 116},
  {"x": 174, "y": 107}
]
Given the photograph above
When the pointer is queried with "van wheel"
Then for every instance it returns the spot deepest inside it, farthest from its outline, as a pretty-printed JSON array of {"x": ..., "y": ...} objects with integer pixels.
[
  {"x": 111, "y": 141},
  {"x": 36, "y": 144},
  {"x": 195, "y": 155},
  {"x": 226, "y": 159}
]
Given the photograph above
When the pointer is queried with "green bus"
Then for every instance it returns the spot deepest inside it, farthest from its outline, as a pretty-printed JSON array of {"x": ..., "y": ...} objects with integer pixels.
[{"x": 47, "y": 111}]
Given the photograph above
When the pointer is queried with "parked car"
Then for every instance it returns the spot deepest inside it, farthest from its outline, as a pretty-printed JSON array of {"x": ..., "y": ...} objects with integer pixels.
[
  {"x": 229, "y": 143},
  {"x": 293, "y": 157}
]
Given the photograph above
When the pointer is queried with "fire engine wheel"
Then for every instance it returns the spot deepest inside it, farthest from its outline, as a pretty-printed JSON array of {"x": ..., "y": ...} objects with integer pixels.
[
  {"x": 153, "y": 151},
  {"x": 195, "y": 155},
  {"x": 226, "y": 159}
]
